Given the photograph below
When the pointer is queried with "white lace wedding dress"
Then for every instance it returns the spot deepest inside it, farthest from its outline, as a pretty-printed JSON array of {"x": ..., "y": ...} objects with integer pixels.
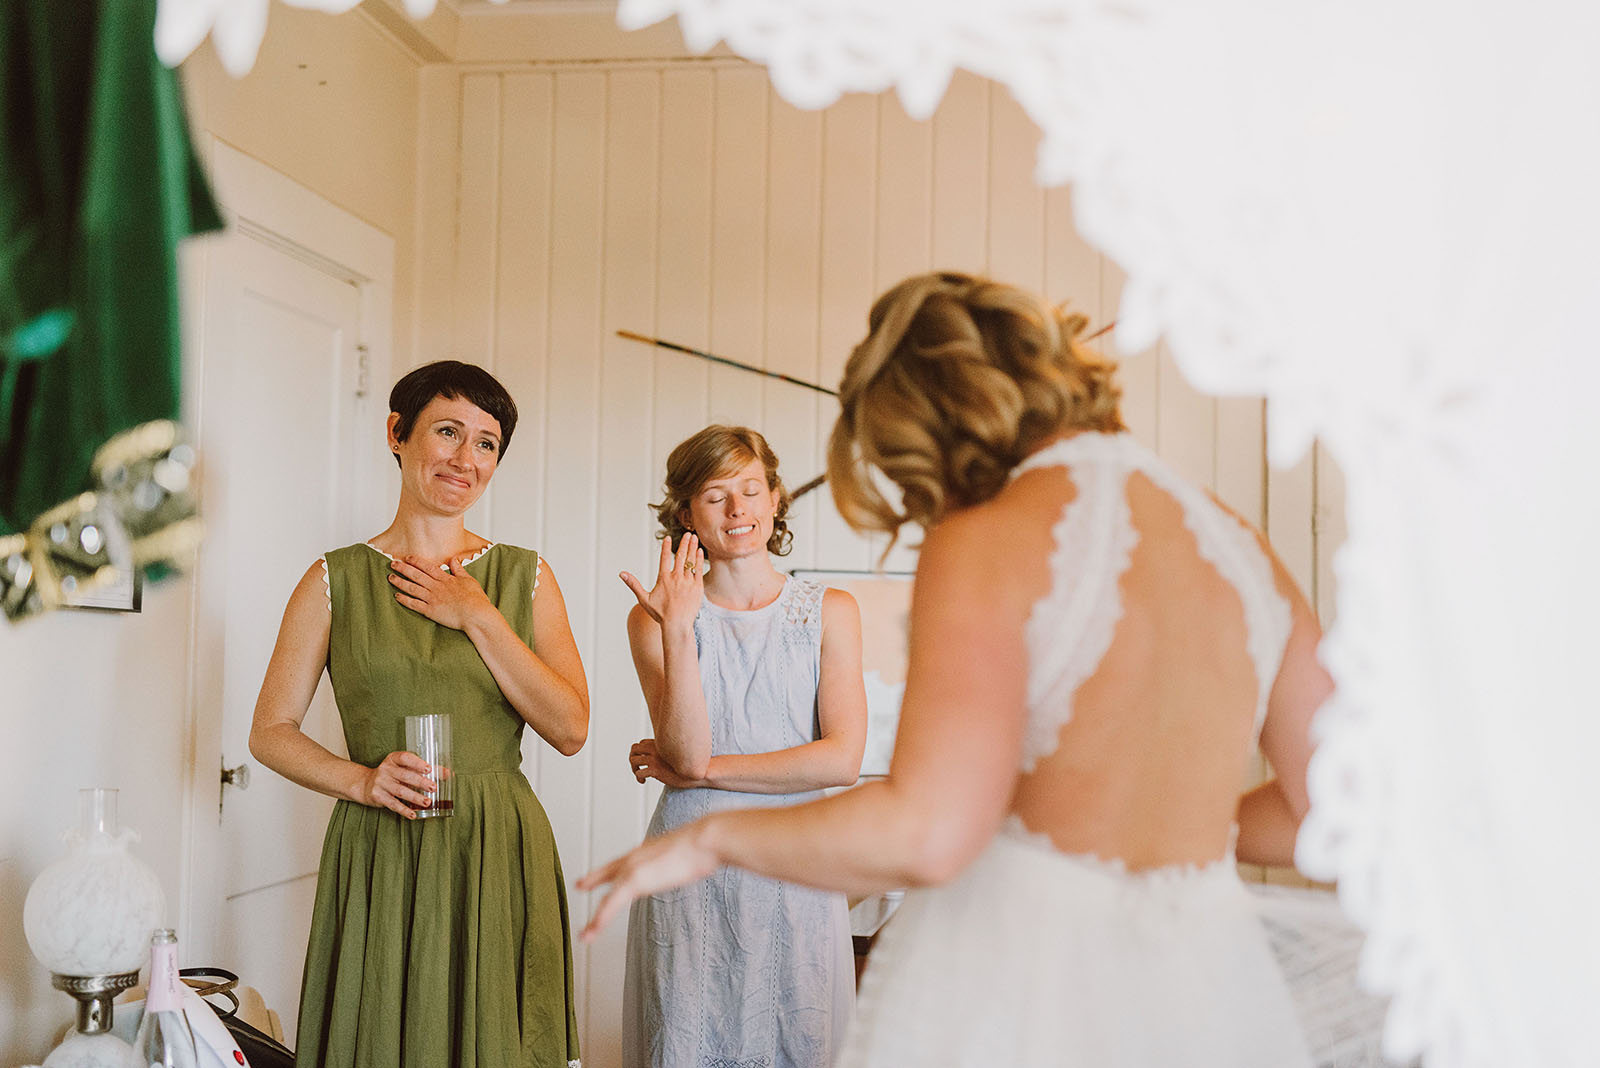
[{"x": 1033, "y": 957}]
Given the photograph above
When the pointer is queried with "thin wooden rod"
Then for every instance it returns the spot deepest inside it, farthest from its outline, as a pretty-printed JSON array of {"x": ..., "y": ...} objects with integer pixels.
[{"x": 714, "y": 358}]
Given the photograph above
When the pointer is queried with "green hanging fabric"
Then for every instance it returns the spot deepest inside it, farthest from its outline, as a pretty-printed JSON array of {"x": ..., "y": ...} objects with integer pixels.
[{"x": 98, "y": 185}]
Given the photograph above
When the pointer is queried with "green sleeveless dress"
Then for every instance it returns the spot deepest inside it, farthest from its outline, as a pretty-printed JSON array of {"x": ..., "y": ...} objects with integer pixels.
[{"x": 435, "y": 942}]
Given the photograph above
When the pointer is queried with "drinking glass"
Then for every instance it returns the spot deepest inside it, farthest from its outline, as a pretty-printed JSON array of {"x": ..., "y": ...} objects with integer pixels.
[{"x": 429, "y": 738}]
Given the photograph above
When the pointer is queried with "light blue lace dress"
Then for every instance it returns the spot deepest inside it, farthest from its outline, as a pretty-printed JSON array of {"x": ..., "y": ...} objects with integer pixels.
[{"x": 736, "y": 970}]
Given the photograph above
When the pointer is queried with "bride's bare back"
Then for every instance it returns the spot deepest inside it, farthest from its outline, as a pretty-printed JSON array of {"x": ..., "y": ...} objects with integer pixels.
[{"x": 1158, "y": 627}]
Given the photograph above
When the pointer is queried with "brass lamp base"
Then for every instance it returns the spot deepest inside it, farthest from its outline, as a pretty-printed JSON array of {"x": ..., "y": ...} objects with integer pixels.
[{"x": 94, "y": 994}]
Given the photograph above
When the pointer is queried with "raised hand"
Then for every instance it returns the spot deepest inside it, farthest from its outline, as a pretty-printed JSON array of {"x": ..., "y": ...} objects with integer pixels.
[
  {"x": 645, "y": 761},
  {"x": 402, "y": 783},
  {"x": 450, "y": 598},
  {"x": 659, "y": 864},
  {"x": 680, "y": 583}
]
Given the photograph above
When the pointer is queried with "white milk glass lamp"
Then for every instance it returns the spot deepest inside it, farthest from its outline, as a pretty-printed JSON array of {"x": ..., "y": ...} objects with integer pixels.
[{"x": 88, "y": 916}]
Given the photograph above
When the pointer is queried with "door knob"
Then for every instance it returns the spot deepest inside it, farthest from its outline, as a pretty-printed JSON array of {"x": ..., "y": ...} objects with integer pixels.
[{"x": 239, "y": 776}]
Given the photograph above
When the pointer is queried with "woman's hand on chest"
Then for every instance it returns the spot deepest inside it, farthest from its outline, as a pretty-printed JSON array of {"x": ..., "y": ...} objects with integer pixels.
[{"x": 450, "y": 598}]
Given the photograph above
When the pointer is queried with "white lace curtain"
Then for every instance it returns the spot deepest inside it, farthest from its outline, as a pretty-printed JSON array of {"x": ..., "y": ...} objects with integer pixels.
[{"x": 1384, "y": 215}]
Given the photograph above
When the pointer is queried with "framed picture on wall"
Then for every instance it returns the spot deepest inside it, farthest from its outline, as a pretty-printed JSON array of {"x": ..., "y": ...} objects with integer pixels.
[
  {"x": 885, "y": 601},
  {"x": 124, "y": 593}
]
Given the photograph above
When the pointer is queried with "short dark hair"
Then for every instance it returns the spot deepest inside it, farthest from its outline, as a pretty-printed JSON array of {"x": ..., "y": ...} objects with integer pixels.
[{"x": 452, "y": 380}]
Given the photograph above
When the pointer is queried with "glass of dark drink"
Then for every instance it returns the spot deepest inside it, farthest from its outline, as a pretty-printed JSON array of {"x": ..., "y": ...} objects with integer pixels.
[{"x": 429, "y": 738}]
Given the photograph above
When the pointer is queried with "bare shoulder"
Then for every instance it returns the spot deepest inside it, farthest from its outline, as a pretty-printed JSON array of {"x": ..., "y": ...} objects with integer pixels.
[
  {"x": 836, "y": 600},
  {"x": 313, "y": 588},
  {"x": 839, "y": 609},
  {"x": 308, "y": 617},
  {"x": 994, "y": 554},
  {"x": 641, "y": 623},
  {"x": 315, "y": 576}
]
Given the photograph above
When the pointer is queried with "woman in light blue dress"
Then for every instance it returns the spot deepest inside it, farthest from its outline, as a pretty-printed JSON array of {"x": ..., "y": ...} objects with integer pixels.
[{"x": 754, "y": 685}]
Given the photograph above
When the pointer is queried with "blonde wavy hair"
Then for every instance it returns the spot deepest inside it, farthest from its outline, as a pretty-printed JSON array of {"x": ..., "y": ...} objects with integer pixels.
[
  {"x": 717, "y": 452},
  {"x": 958, "y": 379}
]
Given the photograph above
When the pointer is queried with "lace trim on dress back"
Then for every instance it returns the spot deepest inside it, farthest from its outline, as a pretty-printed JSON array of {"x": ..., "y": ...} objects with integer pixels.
[
  {"x": 1070, "y": 629},
  {"x": 1174, "y": 875}
]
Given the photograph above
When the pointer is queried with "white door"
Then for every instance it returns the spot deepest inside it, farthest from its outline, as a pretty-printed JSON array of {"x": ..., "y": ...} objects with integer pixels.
[{"x": 291, "y": 448}]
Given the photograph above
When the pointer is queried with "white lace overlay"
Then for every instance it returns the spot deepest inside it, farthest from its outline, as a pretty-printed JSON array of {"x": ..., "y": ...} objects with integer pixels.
[
  {"x": 1070, "y": 629},
  {"x": 1379, "y": 214}
]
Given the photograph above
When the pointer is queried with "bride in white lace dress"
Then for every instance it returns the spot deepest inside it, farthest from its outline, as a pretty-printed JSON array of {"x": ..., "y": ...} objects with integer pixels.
[{"x": 1096, "y": 647}]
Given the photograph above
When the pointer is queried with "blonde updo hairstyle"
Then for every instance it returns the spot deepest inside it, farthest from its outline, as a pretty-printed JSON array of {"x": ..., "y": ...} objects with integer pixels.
[
  {"x": 718, "y": 452},
  {"x": 959, "y": 378}
]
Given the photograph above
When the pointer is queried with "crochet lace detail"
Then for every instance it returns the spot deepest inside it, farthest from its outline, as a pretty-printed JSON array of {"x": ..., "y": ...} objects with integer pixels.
[
  {"x": 327, "y": 584},
  {"x": 802, "y": 609}
]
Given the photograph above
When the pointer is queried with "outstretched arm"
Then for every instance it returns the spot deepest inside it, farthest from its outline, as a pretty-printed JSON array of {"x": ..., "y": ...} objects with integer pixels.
[
  {"x": 954, "y": 767},
  {"x": 298, "y": 659},
  {"x": 834, "y": 759}
]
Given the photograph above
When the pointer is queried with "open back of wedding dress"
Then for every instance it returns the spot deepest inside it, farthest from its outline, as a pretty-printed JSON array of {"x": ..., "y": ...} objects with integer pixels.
[{"x": 1034, "y": 956}]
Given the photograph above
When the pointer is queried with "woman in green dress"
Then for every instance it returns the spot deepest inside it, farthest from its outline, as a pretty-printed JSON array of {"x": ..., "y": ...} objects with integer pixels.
[{"x": 434, "y": 942}]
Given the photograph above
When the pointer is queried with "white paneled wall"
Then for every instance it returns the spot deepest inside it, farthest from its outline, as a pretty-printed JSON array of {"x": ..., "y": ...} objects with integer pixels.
[{"x": 686, "y": 201}]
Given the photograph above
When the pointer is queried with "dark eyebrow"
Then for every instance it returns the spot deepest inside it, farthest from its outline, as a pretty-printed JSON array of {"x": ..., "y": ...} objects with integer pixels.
[{"x": 491, "y": 435}]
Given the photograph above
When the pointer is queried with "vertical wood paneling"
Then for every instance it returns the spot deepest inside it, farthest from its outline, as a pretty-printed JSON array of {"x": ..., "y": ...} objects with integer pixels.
[
  {"x": 571, "y": 454},
  {"x": 631, "y": 129},
  {"x": 1140, "y": 373},
  {"x": 1016, "y": 203},
  {"x": 522, "y": 312},
  {"x": 848, "y": 284},
  {"x": 904, "y": 238},
  {"x": 738, "y": 242},
  {"x": 1071, "y": 267},
  {"x": 477, "y": 239},
  {"x": 905, "y": 195},
  {"x": 794, "y": 264},
  {"x": 439, "y": 142},
  {"x": 1291, "y": 502},
  {"x": 683, "y": 256},
  {"x": 961, "y": 177},
  {"x": 1186, "y": 424},
  {"x": 1329, "y": 528},
  {"x": 1240, "y": 479},
  {"x": 478, "y": 233}
]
